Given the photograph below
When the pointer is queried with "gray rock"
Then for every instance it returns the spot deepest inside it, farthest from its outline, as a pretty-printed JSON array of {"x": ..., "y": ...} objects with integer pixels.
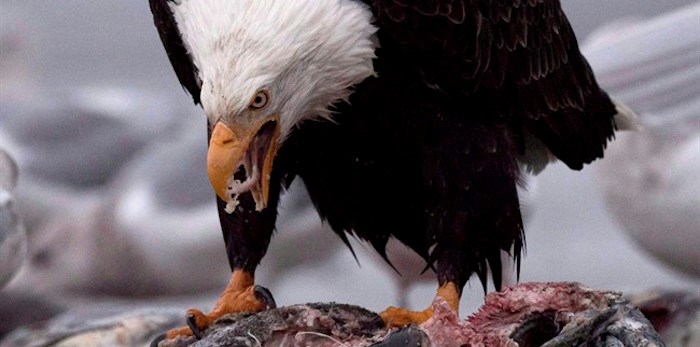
[
  {"x": 97, "y": 327},
  {"x": 22, "y": 309}
]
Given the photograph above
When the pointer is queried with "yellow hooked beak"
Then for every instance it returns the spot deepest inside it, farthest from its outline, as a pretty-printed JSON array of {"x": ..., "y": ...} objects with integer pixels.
[{"x": 253, "y": 146}]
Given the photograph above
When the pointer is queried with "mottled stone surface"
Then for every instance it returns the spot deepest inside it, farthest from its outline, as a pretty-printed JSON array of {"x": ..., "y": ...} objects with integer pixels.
[{"x": 527, "y": 315}]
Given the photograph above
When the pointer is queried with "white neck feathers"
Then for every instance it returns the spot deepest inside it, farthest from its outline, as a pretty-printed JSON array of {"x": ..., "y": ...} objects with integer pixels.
[{"x": 308, "y": 53}]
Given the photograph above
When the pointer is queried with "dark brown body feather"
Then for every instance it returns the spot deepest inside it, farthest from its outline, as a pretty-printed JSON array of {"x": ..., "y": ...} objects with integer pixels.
[{"x": 427, "y": 151}]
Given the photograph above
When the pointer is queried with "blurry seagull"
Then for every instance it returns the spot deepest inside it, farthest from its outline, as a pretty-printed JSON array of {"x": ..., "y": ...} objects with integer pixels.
[
  {"x": 117, "y": 245},
  {"x": 164, "y": 204},
  {"x": 651, "y": 178},
  {"x": 155, "y": 232},
  {"x": 69, "y": 145}
]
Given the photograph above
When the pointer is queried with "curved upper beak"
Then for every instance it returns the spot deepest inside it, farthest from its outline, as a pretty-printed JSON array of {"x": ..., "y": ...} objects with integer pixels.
[{"x": 252, "y": 146}]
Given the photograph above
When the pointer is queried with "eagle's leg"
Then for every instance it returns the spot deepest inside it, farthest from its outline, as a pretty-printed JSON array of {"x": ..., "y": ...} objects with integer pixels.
[
  {"x": 247, "y": 234},
  {"x": 399, "y": 316},
  {"x": 241, "y": 295}
]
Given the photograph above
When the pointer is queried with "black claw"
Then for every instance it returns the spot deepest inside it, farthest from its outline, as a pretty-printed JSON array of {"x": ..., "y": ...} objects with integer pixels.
[
  {"x": 192, "y": 323},
  {"x": 157, "y": 340},
  {"x": 263, "y": 294}
]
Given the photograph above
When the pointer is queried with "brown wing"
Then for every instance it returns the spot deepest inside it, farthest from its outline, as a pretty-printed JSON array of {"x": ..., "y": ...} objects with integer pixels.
[{"x": 521, "y": 55}]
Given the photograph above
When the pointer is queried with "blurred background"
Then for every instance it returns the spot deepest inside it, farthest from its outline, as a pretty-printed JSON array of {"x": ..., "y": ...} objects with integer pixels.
[{"x": 109, "y": 205}]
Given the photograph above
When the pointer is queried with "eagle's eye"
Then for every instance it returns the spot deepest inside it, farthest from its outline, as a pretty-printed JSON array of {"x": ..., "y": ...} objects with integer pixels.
[{"x": 260, "y": 99}]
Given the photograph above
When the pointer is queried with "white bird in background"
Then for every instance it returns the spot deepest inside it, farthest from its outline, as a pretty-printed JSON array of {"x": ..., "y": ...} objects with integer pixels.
[
  {"x": 170, "y": 219},
  {"x": 69, "y": 145},
  {"x": 651, "y": 178},
  {"x": 139, "y": 213},
  {"x": 156, "y": 229},
  {"x": 163, "y": 204},
  {"x": 13, "y": 238},
  {"x": 68, "y": 142}
]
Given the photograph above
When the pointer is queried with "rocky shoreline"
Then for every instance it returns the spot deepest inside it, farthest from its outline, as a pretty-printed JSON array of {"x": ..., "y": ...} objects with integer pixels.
[{"x": 530, "y": 314}]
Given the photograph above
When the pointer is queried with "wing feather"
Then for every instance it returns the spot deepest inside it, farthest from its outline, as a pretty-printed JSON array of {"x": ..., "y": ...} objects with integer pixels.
[
  {"x": 523, "y": 52},
  {"x": 175, "y": 48}
]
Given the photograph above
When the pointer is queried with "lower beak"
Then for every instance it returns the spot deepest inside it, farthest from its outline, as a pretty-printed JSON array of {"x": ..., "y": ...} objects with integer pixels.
[{"x": 254, "y": 148}]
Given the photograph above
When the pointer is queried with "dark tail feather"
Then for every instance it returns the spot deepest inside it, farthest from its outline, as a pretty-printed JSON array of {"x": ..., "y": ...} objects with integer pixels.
[
  {"x": 496, "y": 267},
  {"x": 345, "y": 240},
  {"x": 483, "y": 275}
]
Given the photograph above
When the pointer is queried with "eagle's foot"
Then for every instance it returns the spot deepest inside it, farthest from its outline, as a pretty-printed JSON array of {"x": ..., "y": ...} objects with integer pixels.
[
  {"x": 395, "y": 317},
  {"x": 399, "y": 317},
  {"x": 241, "y": 295}
]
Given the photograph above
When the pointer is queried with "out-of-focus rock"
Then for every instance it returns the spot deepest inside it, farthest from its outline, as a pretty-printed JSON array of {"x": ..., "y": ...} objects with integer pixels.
[
  {"x": 97, "y": 327},
  {"x": 19, "y": 309},
  {"x": 650, "y": 177},
  {"x": 13, "y": 238},
  {"x": 674, "y": 314}
]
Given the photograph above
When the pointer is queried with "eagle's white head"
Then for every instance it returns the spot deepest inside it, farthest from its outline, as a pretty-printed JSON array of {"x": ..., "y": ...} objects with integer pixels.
[{"x": 265, "y": 66}]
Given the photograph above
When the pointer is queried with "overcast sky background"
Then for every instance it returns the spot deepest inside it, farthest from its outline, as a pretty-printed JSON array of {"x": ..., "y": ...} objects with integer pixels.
[{"x": 79, "y": 42}]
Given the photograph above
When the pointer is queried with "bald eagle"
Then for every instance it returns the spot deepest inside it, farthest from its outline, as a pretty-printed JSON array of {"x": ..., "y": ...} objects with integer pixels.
[{"x": 404, "y": 119}]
